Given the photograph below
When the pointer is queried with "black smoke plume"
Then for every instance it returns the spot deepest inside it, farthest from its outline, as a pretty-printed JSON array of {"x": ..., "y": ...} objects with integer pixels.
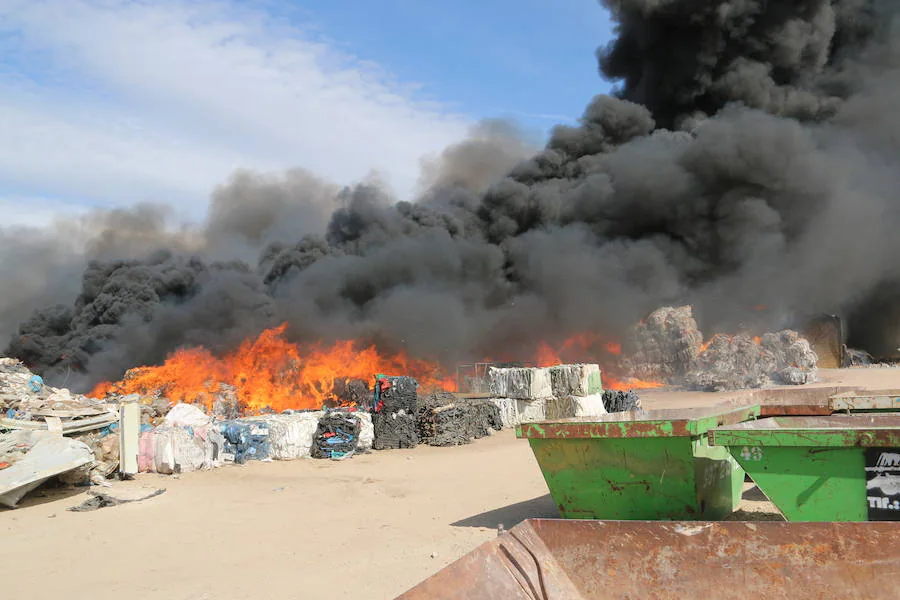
[{"x": 747, "y": 158}]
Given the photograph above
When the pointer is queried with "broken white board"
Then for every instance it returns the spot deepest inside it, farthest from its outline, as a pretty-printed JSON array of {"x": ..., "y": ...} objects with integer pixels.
[
  {"x": 129, "y": 435},
  {"x": 50, "y": 455}
]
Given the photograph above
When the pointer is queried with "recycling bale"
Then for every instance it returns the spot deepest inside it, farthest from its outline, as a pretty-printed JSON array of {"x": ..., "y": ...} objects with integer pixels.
[
  {"x": 337, "y": 435},
  {"x": 245, "y": 440},
  {"x": 395, "y": 394},
  {"x": 394, "y": 430},
  {"x": 445, "y": 420}
]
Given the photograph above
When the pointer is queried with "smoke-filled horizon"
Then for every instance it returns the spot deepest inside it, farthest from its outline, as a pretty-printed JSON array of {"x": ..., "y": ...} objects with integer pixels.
[{"x": 747, "y": 159}]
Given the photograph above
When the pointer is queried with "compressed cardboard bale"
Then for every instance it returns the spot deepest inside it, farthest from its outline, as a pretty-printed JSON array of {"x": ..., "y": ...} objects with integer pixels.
[
  {"x": 521, "y": 383},
  {"x": 394, "y": 430}
]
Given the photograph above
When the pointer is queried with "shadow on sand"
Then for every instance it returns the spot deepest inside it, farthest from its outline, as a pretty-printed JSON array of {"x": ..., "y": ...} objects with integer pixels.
[{"x": 510, "y": 516}]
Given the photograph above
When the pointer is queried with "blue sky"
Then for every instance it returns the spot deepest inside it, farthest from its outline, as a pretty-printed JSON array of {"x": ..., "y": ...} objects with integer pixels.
[{"x": 113, "y": 102}]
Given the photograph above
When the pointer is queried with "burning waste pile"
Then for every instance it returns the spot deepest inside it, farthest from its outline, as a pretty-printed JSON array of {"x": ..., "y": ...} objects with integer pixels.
[
  {"x": 181, "y": 426},
  {"x": 668, "y": 346}
]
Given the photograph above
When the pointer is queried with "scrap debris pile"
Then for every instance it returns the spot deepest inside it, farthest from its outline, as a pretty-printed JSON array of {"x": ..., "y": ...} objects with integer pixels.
[
  {"x": 77, "y": 439},
  {"x": 445, "y": 420},
  {"x": 668, "y": 346}
]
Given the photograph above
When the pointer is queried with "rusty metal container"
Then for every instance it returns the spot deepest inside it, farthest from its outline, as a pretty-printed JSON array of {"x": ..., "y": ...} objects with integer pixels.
[
  {"x": 834, "y": 468},
  {"x": 639, "y": 465},
  {"x": 600, "y": 560}
]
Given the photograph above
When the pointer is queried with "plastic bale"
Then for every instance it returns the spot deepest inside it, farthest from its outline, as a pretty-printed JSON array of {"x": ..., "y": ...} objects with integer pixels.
[
  {"x": 521, "y": 383},
  {"x": 147, "y": 452},
  {"x": 245, "y": 440},
  {"x": 366, "y": 431},
  {"x": 337, "y": 435},
  {"x": 178, "y": 451},
  {"x": 515, "y": 412},
  {"x": 186, "y": 415},
  {"x": 291, "y": 435},
  {"x": 508, "y": 412},
  {"x": 575, "y": 380},
  {"x": 575, "y": 406}
]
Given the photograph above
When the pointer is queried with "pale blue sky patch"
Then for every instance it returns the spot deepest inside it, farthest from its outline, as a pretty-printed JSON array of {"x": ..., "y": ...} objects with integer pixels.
[{"x": 114, "y": 102}]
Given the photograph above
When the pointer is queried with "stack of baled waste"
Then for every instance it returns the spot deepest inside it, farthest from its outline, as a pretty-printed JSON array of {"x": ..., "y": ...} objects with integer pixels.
[
  {"x": 521, "y": 393},
  {"x": 188, "y": 440},
  {"x": 530, "y": 394},
  {"x": 577, "y": 392}
]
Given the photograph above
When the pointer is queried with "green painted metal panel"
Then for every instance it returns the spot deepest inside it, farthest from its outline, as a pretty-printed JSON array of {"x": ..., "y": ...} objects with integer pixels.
[
  {"x": 681, "y": 422},
  {"x": 639, "y": 478},
  {"x": 811, "y": 468},
  {"x": 807, "y": 483}
]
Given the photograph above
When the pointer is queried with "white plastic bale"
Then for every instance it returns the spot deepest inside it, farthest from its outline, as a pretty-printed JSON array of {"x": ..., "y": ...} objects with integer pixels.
[
  {"x": 213, "y": 446},
  {"x": 515, "y": 412},
  {"x": 186, "y": 415},
  {"x": 567, "y": 407},
  {"x": 291, "y": 435},
  {"x": 520, "y": 383},
  {"x": 560, "y": 407},
  {"x": 508, "y": 411},
  {"x": 589, "y": 406},
  {"x": 177, "y": 451},
  {"x": 164, "y": 453},
  {"x": 366, "y": 431},
  {"x": 531, "y": 411}
]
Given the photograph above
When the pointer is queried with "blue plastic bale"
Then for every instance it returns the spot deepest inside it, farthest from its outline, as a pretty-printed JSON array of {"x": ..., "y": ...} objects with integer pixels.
[{"x": 246, "y": 440}]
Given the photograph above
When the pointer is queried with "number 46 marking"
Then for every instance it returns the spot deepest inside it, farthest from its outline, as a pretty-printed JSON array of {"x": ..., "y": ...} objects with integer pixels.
[{"x": 754, "y": 453}]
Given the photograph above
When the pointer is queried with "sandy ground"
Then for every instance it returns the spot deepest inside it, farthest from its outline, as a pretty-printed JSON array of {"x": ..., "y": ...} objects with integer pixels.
[{"x": 370, "y": 527}]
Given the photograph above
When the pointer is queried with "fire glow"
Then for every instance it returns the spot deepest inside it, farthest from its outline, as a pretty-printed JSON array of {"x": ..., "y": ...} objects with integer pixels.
[{"x": 270, "y": 372}]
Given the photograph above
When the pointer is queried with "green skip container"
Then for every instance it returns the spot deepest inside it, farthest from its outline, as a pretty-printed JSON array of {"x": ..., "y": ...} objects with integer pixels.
[
  {"x": 829, "y": 468},
  {"x": 646, "y": 465}
]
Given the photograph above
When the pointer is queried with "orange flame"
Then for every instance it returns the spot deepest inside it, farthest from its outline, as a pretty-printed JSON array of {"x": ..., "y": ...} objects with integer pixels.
[
  {"x": 631, "y": 383},
  {"x": 591, "y": 348},
  {"x": 270, "y": 372}
]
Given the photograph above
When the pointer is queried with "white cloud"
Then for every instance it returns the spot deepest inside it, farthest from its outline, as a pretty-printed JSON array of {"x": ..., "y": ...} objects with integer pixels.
[{"x": 120, "y": 101}]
